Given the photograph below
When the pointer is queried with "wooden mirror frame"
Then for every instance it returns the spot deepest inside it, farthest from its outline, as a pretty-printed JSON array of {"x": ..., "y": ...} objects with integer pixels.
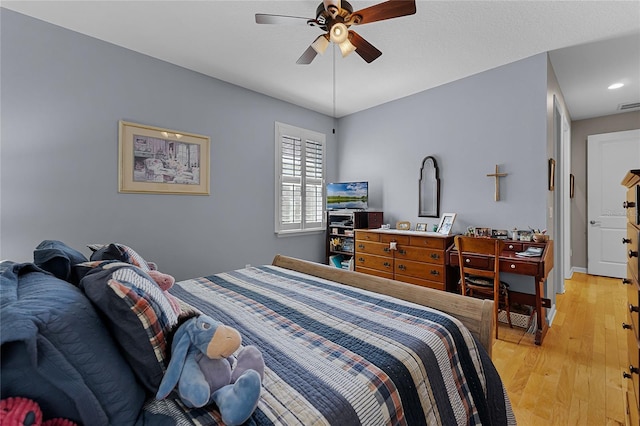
[{"x": 426, "y": 187}]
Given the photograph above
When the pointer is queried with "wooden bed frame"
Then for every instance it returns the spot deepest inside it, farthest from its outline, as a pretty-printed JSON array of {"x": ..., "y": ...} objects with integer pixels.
[{"x": 475, "y": 314}]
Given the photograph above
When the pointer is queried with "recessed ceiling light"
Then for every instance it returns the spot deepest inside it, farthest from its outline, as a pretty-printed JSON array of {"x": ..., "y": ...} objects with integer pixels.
[{"x": 615, "y": 86}]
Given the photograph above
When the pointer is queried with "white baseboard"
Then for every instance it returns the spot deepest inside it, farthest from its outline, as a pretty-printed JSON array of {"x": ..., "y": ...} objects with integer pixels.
[
  {"x": 576, "y": 269},
  {"x": 551, "y": 314}
]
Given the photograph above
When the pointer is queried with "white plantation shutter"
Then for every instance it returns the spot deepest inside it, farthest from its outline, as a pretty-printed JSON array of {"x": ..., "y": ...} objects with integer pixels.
[{"x": 300, "y": 169}]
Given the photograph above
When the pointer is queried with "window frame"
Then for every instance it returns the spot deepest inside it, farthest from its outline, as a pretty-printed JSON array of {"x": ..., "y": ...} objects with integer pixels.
[{"x": 304, "y": 137}]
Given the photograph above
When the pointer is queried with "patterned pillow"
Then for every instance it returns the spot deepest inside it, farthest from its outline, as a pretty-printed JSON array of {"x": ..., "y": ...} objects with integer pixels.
[
  {"x": 137, "y": 312},
  {"x": 117, "y": 251}
]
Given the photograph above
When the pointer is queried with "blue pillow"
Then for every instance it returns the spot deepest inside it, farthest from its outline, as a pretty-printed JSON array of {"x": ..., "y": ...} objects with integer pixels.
[
  {"x": 57, "y": 351},
  {"x": 58, "y": 258}
]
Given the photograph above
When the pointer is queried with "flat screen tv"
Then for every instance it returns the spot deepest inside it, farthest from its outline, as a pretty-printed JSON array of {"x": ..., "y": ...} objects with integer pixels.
[{"x": 348, "y": 195}]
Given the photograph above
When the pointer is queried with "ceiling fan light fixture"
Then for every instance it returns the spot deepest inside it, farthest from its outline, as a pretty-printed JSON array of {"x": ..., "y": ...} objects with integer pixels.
[
  {"x": 320, "y": 44},
  {"x": 339, "y": 33},
  {"x": 346, "y": 47}
]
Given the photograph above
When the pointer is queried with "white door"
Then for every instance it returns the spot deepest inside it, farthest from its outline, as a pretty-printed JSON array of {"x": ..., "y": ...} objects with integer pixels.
[{"x": 609, "y": 157}]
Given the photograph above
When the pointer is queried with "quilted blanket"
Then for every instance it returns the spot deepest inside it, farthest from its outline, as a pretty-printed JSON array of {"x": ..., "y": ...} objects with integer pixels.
[{"x": 336, "y": 355}]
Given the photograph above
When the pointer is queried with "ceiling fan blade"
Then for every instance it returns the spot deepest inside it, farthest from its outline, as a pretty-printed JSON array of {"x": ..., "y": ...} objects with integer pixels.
[
  {"x": 366, "y": 50},
  {"x": 386, "y": 10},
  {"x": 308, "y": 56},
  {"x": 265, "y": 18}
]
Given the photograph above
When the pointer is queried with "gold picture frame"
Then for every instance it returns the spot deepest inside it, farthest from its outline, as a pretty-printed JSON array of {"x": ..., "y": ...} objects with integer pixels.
[{"x": 153, "y": 160}]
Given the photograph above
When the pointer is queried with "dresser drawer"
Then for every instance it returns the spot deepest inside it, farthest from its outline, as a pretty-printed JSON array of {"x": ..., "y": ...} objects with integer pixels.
[
  {"x": 420, "y": 254},
  {"x": 634, "y": 363},
  {"x": 374, "y": 272},
  {"x": 631, "y": 248},
  {"x": 373, "y": 262},
  {"x": 367, "y": 236},
  {"x": 429, "y": 242},
  {"x": 633, "y": 292},
  {"x": 631, "y": 204},
  {"x": 438, "y": 285},
  {"x": 393, "y": 238},
  {"x": 369, "y": 247},
  {"x": 422, "y": 270}
]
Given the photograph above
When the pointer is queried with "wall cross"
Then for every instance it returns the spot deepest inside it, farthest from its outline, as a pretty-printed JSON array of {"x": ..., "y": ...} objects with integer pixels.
[{"x": 497, "y": 175}]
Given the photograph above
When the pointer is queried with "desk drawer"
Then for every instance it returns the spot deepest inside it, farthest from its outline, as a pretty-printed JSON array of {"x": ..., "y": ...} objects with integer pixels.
[
  {"x": 367, "y": 236},
  {"x": 516, "y": 267},
  {"x": 513, "y": 246},
  {"x": 476, "y": 261},
  {"x": 373, "y": 262},
  {"x": 420, "y": 254},
  {"x": 379, "y": 249},
  {"x": 421, "y": 270}
]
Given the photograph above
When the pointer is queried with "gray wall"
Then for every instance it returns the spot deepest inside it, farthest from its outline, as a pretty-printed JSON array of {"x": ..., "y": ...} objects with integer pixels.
[
  {"x": 580, "y": 130},
  {"x": 469, "y": 126},
  {"x": 62, "y": 96}
]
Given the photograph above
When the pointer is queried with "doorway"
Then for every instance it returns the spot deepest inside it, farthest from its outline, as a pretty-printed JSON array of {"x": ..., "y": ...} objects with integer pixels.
[{"x": 609, "y": 157}]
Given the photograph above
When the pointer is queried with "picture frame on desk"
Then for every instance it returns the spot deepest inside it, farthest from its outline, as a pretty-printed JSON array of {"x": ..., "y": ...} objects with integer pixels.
[
  {"x": 421, "y": 227},
  {"x": 446, "y": 223}
]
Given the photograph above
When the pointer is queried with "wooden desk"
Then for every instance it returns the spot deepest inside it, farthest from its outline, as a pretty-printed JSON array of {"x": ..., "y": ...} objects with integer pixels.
[{"x": 536, "y": 267}]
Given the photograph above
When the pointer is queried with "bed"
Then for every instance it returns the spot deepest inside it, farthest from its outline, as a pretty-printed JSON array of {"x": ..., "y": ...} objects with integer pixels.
[
  {"x": 318, "y": 338},
  {"x": 340, "y": 348}
]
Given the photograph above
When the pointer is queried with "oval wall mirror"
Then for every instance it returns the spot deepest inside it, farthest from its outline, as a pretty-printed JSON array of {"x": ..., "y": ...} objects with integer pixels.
[{"x": 429, "y": 189}]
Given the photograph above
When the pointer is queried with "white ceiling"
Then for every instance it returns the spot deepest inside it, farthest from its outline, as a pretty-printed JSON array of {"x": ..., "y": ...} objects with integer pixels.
[{"x": 592, "y": 44}]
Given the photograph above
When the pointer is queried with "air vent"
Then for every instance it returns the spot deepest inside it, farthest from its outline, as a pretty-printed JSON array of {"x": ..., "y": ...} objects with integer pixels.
[{"x": 631, "y": 105}]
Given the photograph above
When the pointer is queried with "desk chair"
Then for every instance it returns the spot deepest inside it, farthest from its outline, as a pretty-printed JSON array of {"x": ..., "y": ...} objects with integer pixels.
[{"x": 480, "y": 277}]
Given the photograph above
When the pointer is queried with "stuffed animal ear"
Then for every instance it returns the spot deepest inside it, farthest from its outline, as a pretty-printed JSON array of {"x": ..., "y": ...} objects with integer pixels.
[{"x": 179, "y": 349}]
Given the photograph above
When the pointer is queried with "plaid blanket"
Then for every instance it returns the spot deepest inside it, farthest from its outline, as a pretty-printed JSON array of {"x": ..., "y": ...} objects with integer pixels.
[{"x": 337, "y": 355}]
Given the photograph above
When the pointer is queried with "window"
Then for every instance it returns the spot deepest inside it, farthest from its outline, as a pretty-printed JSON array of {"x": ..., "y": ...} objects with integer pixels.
[{"x": 300, "y": 169}]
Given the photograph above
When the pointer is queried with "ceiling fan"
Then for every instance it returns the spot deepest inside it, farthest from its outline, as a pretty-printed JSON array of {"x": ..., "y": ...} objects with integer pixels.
[{"x": 335, "y": 17}]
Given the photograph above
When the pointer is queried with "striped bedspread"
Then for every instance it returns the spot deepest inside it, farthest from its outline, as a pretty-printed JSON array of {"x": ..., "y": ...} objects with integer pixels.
[{"x": 336, "y": 355}]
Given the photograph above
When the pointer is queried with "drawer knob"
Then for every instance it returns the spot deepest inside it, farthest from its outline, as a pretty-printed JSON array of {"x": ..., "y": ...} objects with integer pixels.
[
  {"x": 386, "y": 250},
  {"x": 402, "y": 251},
  {"x": 633, "y": 253},
  {"x": 361, "y": 246},
  {"x": 626, "y": 375},
  {"x": 435, "y": 256},
  {"x": 510, "y": 246},
  {"x": 402, "y": 267},
  {"x": 626, "y": 281},
  {"x": 513, "y": 266},
  {"x": 628, "y": 204},
  {"x": 633, "y": 308},
  {"x": 626, "y": 240},
  {"x": 434, "y": 272},
  {"x": 361, "y": 260},
  {"x": 386, "y": 264},
  {"x": 634, "y": 370},
  {"x": 467, "y": 261},
  {"x": 626, "y": 326}
]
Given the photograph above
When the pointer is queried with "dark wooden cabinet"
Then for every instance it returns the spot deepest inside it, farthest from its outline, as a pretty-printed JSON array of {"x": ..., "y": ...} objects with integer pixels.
[
  {"x": 341, "y": 226},
  {"x": 632, "y": 325}
]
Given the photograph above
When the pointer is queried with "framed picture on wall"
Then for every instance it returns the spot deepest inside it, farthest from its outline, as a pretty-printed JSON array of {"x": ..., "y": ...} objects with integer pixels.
[
  {"x": 162, "y": 161},
  {"x": 446, "y": 223}
]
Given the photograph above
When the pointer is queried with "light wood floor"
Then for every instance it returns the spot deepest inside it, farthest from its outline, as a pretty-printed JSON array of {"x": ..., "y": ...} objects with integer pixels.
[{"x": 575, "y": 377}]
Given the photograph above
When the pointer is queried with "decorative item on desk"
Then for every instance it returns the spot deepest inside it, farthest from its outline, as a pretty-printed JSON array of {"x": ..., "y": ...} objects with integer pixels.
[
  {"x": 482, "y": 232},
  {"x": 446, "y": 223},
  {"x": 501, "y": 234},
  {"x": 422, "y": 227},
  {"x": 540, "y": 236},
  {"x": 403, "y": 225},
  {"x": 525, "y": 235}
]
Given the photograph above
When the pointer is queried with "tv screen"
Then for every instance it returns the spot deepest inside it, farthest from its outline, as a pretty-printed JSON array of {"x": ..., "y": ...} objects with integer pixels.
[{"x": 348, "y": 195}]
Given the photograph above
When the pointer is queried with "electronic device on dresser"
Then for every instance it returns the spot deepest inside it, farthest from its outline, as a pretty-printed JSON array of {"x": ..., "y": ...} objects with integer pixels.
[{"x": 632, "y": 325}]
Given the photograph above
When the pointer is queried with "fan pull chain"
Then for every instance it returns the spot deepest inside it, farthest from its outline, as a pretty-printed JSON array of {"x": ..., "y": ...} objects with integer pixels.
[{"x": 334, "y": 86}]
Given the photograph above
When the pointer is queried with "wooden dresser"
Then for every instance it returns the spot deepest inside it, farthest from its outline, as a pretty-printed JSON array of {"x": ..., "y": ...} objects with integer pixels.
[
  {"x": 409, "y": 256},
  {"x": 632, "y": 326}
]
